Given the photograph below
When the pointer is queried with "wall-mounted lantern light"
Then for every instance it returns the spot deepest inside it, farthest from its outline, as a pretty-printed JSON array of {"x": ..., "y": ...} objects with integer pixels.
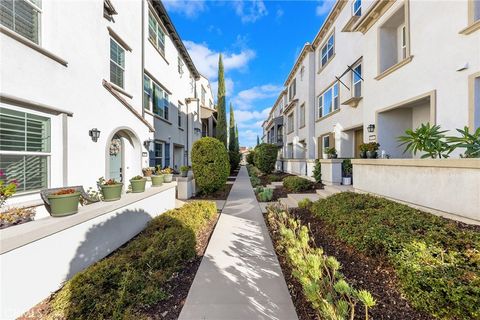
[
  {"x": 95, "y": 134},
  {"x": 371, "y": 128},
  {"x": 147, "y": 143}
]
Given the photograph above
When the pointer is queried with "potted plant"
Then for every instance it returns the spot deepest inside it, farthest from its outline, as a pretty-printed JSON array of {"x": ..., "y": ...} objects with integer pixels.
[
  {"x": 148, "y": 171},
  {"x": 111, "y": 189},
  {"x": 138, "y": 184},
  {"x": 331, "y": 153},
  {"x": 347, "y": 172},
  {"x": 372, "y": 148},
  {"x": 64, "y": 202},
  {"x": 167, "y": 175},
  {"x": 363, "y": 150},
  {"x": 184, "y": 171},
  {"x": 157, "y": 178}
]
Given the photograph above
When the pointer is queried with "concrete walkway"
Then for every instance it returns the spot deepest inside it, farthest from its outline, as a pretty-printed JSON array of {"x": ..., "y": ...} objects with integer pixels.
[{"x": 239, "y": 276}]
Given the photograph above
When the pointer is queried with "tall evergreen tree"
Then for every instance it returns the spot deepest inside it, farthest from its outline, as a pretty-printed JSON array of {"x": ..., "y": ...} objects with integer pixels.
[
  {"x": 258, "y": 140},
  {"x": 231, "y": 131},
  {"x": 221, "y": 108},
  {"x": 237, "y": 144}
]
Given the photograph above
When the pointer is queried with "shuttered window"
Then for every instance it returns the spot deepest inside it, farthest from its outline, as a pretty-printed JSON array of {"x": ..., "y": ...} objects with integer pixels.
[
  {"x": 22, "y": 16},
  {"x": 24, "y": 149}
]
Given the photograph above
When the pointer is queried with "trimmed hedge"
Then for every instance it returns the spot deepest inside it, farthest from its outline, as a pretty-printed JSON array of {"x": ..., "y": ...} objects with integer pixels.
[
  {"x": 251, "y": 157},
  {"x": 437, "y": 262},
  {"x": 234, "y": 158},
  {"x": 266, "y": 157},
  {"x": 210, "y": 164},
  {"x": 135, "y": 275},
  {"x": 297, "y": 184}
]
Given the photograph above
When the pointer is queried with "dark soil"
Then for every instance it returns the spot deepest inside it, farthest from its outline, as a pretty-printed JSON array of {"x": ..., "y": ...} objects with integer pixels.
[
  {"x": 221, "y": 194},
  {"x": 178, "y": 287},
  {"x": 363, "y": 272},
  {"x": 278, "y": 176}
]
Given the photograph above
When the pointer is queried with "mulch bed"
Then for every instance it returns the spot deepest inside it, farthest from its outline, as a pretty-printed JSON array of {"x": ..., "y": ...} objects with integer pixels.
[
  {"x": 178, "y": 286},
  {"x": 264, "y": 180},
  {"x": 221, "y": 194},
  {"x": 363, "y": 272}
]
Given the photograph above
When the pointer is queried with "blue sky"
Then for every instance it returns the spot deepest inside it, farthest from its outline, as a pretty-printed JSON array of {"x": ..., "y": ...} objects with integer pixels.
[{"x": 260, "y": 40}]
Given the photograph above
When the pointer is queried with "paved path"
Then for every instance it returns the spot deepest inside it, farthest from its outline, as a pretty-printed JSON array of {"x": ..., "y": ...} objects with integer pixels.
[{"x": 239, "y": 277}]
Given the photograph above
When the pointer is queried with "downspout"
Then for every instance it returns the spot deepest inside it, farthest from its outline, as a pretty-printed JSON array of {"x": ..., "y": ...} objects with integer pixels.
[
  {"x": 188, "y": 131},
  {"x": 143, "y": 55}
]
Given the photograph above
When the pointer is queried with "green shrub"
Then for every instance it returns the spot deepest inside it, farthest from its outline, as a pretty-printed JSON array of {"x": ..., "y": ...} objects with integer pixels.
[
  {"x": 274, "y": 178},
  {"x": 266, "y": 157},
  {"x": 255, "y": 181},
  {"x": 135, "y": 275},
  {"x": 437, "y": 263},
  {"x": 305, "y": 203},
  {"x": 234, "y": 158},
  {"x": 253, "y": 171},
  {"x": 251, "y": 157},
  {"x": 347, "y": 168},
  {"x": 297, "y": 184},
  {"x": 317, "y": 171},
  {"x": 322, "y": 283},
  {"x": 265, "y": 195},
  {"x": 210, "y": 164}
]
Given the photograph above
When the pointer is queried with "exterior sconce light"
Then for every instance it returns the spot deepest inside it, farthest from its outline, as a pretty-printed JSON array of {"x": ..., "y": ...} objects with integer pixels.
[
  {"x": 95, "y": 134},
  {"x": 147, "y": 143},
  {"x": 371, "y": 128},
  {"x": 197, "y": 130}
]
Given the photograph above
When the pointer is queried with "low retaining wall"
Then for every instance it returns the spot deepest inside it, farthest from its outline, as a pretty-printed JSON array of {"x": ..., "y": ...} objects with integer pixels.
[
  {"x": 38, "y": 256},
  {"x": 300, "y": 167},
  {"x": 439, "y": 186},
  {"x": 331, "y": 171}
]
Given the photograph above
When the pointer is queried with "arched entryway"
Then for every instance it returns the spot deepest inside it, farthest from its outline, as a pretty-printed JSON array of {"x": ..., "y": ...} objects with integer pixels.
[{"x": 123, "y": 155}]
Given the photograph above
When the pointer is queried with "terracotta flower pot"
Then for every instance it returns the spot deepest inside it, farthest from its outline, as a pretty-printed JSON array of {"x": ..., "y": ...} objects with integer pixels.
[
  {"x": 112, "y": 192},
  {"x": 64, "y": 205},
  {"x": 138, "y": 185}
]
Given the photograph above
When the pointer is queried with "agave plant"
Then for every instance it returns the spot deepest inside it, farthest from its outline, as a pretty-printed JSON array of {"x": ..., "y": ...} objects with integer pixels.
[
  {"x": 428, "y": 139},
  {"x": 467, "y": 140}
]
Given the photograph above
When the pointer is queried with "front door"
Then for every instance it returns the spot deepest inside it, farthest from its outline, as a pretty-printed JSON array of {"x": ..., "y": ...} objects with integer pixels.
[
  {"x": 116, "y": 159},
  {"x": 358, "y": 142}
]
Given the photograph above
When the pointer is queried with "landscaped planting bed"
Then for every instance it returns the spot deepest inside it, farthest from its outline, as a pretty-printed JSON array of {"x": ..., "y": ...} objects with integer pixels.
[
  {"x": 399, "y": 251},
  {"x": 149, "y": 277},
  {"x": 221, "y": 194}
]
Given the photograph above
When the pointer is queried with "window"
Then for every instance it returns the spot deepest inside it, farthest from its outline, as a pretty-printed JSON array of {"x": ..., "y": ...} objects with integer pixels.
[
  {"x": 192, "y": 85},
  {"x": 403, "y": 43},
  {"x": 180, "y": 65},
  {"x": 393, "y": 40},
  {"x": 156, "y": 156},
  {"x": 22, "y": 17},
  {"x": 328, "y": 101},
  {"x": 117, "y": 63},
  {"x": 302, "y": 72},
  {"x": 357, "y": 7},
  {"x": 202, "y": 97},
  {"x": 290, "y": 150},
  {"x": 26, "y": 138},
  {"x": 155, "y": 33},
  {"x": 476, "y": 10},
  {"x": 292, "y": 90},
  {"x": 327, "y": 51},
  {"x": 302, "y": 115},
  {"x": 325, "y": 143},
  {"x": 357, "y": 81},
  {"x": 167, "y": 154},
  {"x": 155, "y": 98},
  {"x": 180, "y": 116},
  {"x": 290, "y": 123}
]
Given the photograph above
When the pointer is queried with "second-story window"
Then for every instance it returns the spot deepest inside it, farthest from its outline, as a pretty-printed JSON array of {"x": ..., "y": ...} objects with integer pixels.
[
  {"x": 327, "y": 51},
  {"x": 292, "y": 90},
  {"x": 328, "y": 101},
  {"x": 290, "y": 123},
  {"x": 22, "y": 17},
  {"x": 156, "y": 33},
  {"x": 357, "y": 81},
  {"x": 117, "y": 63},
  {"x": 302, "y": 115},
  {"x": 180, "y": 65},
  {"x": 155, "y": 98},
  {"x": 357, "y": 7},
  {"x": 202, "y": 97}
]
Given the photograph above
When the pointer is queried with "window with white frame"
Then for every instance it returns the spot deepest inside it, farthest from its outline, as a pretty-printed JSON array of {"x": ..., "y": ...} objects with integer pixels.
[
  {"x": 328, "y": 101},
  {"x": 476, "y": 10},
  {"x": 24, "y": 149},
  {"x": 202, "y": 96},
  {"x": 302, "y": 72},
  {"x": 393, "y": 40},
  {"x": 156, "y": 33},
  {"x": 327, "y": 50},
  {"x": 156, "y": 156},
  {"x": 292, "y": 89},
  {"x": 325, "y": 143},
  {"x": 357, "y": 7},
  {"x": 403, "y": 42},
  {"x": 117, "y": 63},
  {"x": 357, "y": 80},
  {"x": 192, "y": 84},
  {"x": 155, "y": 98},
  {"x": 22, "y": 17},
  {"x": 180, "y": 65},
  {"x": 290, "y": 123},
  {"x": 302, "y": 115},
  {"x": 180, "y": 116}
]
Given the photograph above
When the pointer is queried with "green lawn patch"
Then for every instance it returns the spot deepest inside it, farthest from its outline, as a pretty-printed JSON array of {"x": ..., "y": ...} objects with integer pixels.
[{"x": 436, "y": 260}]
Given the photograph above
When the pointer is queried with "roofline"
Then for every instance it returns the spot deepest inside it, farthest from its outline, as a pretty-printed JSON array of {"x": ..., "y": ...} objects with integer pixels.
[
  {"x": 177, "y": 41},
  {"x": 282, "y": 93},
  {"x": 307, "y": 47},
  {"x": 332, "y": 16}
]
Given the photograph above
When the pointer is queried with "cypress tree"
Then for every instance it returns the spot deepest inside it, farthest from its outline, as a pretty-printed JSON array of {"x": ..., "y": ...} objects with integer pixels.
[
  {"x": 231, "y": 131},
  {"x": 221, "y": 108},
  {"x": 237, "y": 144},
  {"x": 258, "y": 140}
]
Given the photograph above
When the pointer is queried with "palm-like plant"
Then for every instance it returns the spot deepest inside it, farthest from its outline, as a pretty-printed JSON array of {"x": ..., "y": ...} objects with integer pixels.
[
  {"x": 428, "y": 139},
  {"x": 467, "y": 140}
]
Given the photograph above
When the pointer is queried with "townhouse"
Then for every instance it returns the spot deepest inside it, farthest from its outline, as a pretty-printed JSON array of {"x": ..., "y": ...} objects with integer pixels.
[
  {"x": 377, "y": 68},
  {"x": 105, "y": 99}
]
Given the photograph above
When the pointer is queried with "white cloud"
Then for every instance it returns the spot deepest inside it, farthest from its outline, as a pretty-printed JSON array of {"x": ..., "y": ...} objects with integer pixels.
[
  {"x": 206, "y": 59},
  {"x": 324, "y": 7},
  {"x": 229, "y": 86},
  {"x": 250, "y": 11},
  {"x": 246, "y": 99},
  {"x": 189, "y": 8},
  {"x": 250, "y": 125}
]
